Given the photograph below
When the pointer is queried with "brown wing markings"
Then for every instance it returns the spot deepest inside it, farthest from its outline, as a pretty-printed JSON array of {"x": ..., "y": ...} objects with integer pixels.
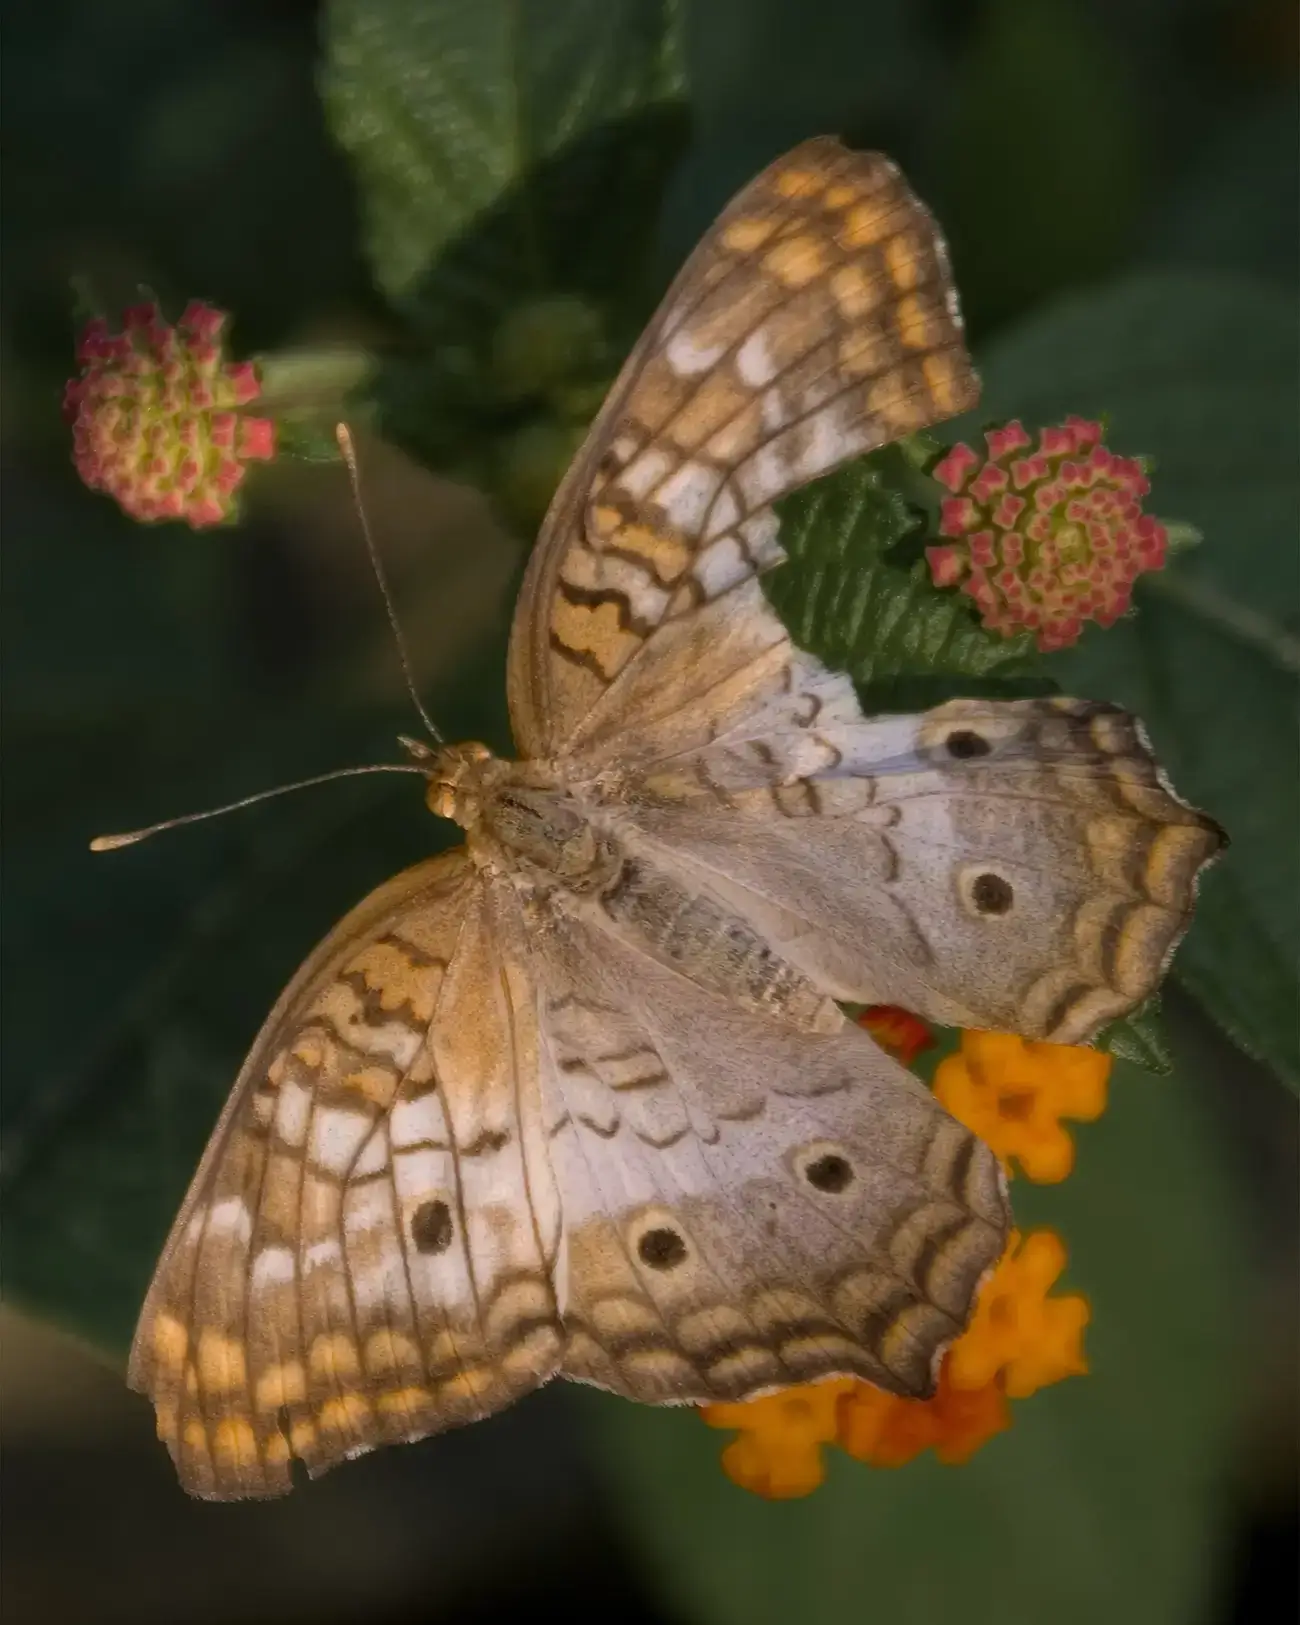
[
  {"x": 735, "y": 1364},
  {"x": 1140, "y": 847},
  {"x": 238, "y": 1328},
  {"x": 798, "y": 799},
  {"x": 419, "y": 957},
  {"x": 580, "y": 657},
  {"x": 839, "y": 326},
  {"x": 567, "y": 1001},
  {"x": 410, "y": 1146},
  {"x": 782, "y": 209},
  {"x": 832, "y": 1086},
  {"x": 662, "y": 1142},
  {"x": 348, "y": 1050},
  {"x": 372, "y": 1011},
  {"x": 594, "y": 597},
  {"x": 461, "y": 1363},
  {"x": 486, "y": 1142},
  {"x": 258, "y": 1228},
  {"x": 710, "y": 784},
  {"x": 639, "y": 561},
  {"x": 418, "y": 1337},
  {"x": 959, "y": 1169},
  {"x": 886, "y": 1326},
  {"x": 460, "y": 1371},
  {"x": 1145, "y": 848},
  {"x": 646, "y": 1080},
  {"x": 216, "y": 1411},
  {"x": 911, "y": 215},
  {"x": 310, "y": 1412},
  {"x": 599, "y": 1128},
  {"x": 389, "y": 1173},
  {"x": 550, "y": 1255},
  {"x": 199, "y": 1398},
  {"x": 742, "y": 1114},
  {"x": 368, "y": 1421}
]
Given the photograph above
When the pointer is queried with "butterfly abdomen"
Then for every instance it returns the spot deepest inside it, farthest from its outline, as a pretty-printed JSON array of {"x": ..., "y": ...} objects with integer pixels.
[{"x": 691, "y": 933}]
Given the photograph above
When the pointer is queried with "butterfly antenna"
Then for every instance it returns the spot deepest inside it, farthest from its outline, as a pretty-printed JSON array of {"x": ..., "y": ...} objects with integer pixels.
[
  {"x": 110, "y": 843},
  {"x": 344, "y": 437}
]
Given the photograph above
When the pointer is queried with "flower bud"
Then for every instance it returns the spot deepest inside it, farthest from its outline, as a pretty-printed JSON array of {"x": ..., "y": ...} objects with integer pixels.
[{"x": 158, "y": 419}]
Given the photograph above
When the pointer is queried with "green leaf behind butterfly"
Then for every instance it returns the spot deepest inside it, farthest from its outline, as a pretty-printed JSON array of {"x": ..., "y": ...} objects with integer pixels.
[
  {"x": 1037, "y": 150},
  {"x": 507, "y": 153},
  {"x": 1140, "y": 1038},
  {"x": 856, "y": 592},
  {"x": 446, "y": 107}
]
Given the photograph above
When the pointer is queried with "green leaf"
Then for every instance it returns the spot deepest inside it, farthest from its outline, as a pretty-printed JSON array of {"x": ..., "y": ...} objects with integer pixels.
[
  {"x": 1140, "y": 1038},
  {"x": 756, "y": 66},
  {"x": 857, "y": 593},
  {"x": 506, "y": 152},
  {"x": 1236, "y": 210},
  {"x": 446, "y": 108},
  {"x": 1198, "y": 371},
  {"x": 1102, "y": 1500},
  {"x": 1037, "y": 153}
]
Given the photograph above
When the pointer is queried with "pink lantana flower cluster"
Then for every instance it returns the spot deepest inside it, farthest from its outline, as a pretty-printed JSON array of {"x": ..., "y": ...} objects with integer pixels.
[
  {"x": 158, "y": 415},
  {"x": 1045, "y": 537}
]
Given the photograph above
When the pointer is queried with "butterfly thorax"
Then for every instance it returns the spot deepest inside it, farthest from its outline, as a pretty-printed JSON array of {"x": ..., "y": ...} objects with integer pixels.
[{"x": 520, "y": 820}]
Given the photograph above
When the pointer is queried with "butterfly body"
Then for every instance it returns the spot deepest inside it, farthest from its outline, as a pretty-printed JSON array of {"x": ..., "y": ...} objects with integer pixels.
[{"x": 577, "y": 1098}]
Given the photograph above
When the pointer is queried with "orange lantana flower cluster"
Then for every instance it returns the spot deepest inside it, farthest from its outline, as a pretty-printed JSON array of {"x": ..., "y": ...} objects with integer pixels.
[{"x": 1013, "y": 1094}]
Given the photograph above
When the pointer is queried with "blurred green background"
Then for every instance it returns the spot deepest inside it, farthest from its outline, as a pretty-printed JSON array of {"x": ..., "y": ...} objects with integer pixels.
[{"x": 1118, "y": 182}]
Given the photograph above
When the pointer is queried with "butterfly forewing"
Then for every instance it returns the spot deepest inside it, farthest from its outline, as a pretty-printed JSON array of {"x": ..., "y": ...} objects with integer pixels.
[
  {"x": 368, "y": 1249},
  {"x": 816, "y": 320}
]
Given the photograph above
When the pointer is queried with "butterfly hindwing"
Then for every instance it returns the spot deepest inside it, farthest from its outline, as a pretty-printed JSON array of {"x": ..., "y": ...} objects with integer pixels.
[
  {"x": 1019, "y": 865},
  {"x": 748, "y": 1203}
]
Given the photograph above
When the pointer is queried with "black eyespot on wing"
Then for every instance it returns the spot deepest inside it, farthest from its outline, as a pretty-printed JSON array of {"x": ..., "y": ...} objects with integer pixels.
[
  {"x": 431, "y": 1227},
  {"x": 830, "y": 1173},
  {"x": 661, "y": 1249},
  {"x": 965, "y": 743},
  {"x": 991, "y": 894}
]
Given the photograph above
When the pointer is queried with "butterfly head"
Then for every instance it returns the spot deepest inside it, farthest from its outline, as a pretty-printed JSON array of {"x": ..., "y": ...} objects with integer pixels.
[{"x": 458, "y": 776}]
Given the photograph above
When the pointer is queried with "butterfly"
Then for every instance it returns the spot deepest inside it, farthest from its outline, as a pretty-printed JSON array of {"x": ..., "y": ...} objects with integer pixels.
[{"x": 578, "y": 1098}]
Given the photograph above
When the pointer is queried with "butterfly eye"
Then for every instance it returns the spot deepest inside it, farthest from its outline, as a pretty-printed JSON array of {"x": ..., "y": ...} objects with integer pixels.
[
  {"x": 440, "y": 798},
  {"x": 661, "y": 1248},
  {"x": 431, "y": 1227},
  {"x": 965, "y": 743}
]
